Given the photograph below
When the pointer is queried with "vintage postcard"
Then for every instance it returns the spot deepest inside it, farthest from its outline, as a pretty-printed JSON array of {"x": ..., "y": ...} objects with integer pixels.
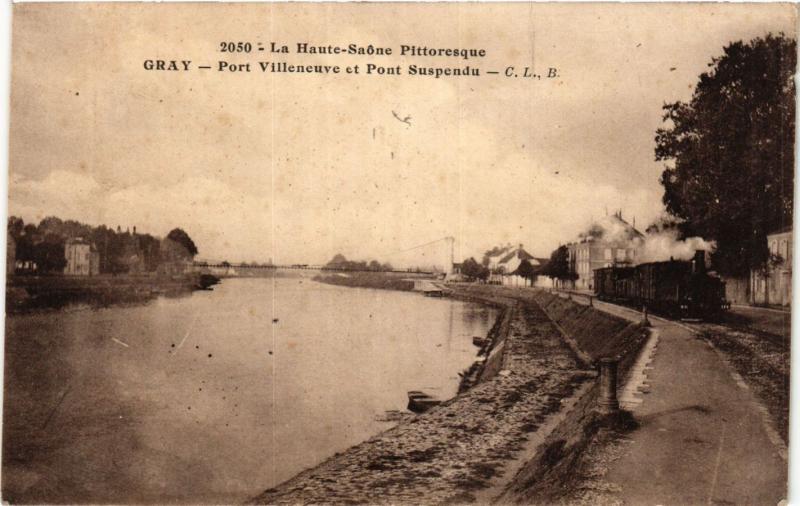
[{"x": 399, "y": 253}]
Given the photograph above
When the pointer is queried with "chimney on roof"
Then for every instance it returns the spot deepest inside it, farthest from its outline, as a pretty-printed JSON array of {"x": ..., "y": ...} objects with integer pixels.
[
  {"x": 699, "y": 262},
  {"x": 134, "y": 230}
]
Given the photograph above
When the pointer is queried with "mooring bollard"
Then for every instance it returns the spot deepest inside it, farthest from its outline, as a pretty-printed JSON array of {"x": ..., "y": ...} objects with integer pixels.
[{"x": 607, "y": 402}]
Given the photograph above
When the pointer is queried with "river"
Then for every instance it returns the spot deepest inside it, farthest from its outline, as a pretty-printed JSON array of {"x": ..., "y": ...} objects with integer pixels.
[{"x": 219, "y": 395}]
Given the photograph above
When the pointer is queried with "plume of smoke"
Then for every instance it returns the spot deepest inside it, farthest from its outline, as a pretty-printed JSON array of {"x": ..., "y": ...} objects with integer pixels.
[
  {"x": 609, "y": 229},
  {"x": 661, "y": 246}
]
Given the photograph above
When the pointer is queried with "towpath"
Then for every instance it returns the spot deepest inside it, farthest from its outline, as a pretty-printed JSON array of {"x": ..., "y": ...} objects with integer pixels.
[{"x": 703, "y": 438}]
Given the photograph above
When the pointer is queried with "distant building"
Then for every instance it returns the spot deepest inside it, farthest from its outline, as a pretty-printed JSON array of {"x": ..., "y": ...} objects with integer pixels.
[
  {"x": 82, "y": 258},
  {"x": 493, "y": 257},
  {"x": 776, "y": 286},
  {"x": 609, "y": 241},
  {"x": 504, "y": 267}
]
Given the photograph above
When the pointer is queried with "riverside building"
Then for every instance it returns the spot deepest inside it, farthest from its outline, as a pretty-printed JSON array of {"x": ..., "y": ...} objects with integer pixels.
[{"x": 608, "y": 241}]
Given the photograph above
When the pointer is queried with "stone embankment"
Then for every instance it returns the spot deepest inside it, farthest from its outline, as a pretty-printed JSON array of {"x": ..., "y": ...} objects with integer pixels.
[{"x": 531, "y": 387}]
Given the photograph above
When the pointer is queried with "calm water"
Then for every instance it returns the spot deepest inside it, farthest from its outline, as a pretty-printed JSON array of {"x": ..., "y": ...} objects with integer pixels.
[{"x": 208, "y": 399}]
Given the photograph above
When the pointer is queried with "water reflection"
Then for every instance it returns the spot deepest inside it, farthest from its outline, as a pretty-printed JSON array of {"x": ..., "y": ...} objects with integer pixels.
[{"x": 217, "y": 396}]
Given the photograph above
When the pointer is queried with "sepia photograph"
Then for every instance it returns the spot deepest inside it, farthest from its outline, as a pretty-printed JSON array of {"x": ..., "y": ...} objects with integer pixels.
[{"x": 399, "y": 253}]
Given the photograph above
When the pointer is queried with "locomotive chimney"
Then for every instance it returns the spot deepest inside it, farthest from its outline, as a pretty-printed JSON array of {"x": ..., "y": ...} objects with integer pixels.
[{"x": 699, "y": 262}]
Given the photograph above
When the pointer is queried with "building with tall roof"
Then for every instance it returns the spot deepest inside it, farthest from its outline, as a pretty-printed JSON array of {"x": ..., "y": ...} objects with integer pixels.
[
  {"x": 609, "y": 241},
  {"x": 504, "y": 265}
]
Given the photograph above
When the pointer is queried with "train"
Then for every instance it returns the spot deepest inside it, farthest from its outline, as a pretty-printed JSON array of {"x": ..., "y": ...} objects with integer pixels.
[{"x": 677, "y": 288}]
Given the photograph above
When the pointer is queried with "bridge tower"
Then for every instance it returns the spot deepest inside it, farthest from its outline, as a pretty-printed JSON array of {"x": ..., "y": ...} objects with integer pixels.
[{"x": 449, "y": 267}]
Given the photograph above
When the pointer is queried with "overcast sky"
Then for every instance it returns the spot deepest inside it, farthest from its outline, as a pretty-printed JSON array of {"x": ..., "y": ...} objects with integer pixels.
[{"x": 297, "y": 167}]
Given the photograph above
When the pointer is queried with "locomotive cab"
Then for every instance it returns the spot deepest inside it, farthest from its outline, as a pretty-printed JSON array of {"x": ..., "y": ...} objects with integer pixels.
[{"x": 706, "y": 293}]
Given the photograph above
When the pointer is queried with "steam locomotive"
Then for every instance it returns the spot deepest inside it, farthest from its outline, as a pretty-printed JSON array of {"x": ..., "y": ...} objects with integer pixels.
[{"x": 678, "y": 288}]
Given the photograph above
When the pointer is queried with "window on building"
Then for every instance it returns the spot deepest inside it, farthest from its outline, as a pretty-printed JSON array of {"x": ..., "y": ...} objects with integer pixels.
[
  {"x": 620, "y": 254},
  {"x": 607, "y": 254}
]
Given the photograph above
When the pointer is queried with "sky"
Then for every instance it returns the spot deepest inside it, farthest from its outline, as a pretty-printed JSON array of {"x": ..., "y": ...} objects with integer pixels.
[{"x": 296, "y": 167}]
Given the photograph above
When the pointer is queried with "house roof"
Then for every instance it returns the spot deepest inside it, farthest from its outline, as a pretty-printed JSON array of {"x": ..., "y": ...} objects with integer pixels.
[
  {"x": 610, "y": 229},
  {"x": 519, "y": 253},
  {"x": 511, "y": 262}
]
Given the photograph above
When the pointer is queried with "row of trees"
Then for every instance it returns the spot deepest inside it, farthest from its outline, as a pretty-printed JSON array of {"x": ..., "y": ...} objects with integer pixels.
[
  {"x": 119, "y": 251},
  {"x": 341, "y": 263}
]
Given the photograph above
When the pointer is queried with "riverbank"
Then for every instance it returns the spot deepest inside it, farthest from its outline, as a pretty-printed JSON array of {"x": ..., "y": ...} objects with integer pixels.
[
  {"x": 515, "y": 433},
  {"x": 403, "y": 281},
  {"x": 26, "y": 293}
]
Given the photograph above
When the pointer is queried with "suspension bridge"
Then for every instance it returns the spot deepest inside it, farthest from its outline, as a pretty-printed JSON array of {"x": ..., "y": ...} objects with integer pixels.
[{"x": 432, "y": 257}]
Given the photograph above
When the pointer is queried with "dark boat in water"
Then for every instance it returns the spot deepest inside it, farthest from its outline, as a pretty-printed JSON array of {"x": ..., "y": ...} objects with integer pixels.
[{"x": 420, "y": 402}]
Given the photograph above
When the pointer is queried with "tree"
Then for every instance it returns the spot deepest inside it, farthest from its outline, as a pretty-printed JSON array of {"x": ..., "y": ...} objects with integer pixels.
[
  {"x": 182, "y": 238},
  {"x": 527, "y": 271},
  {"x": 730, "y": 151},
  {"x": 559, "y": 267},
  {"x": 26, "y": 242},
  {"x": 337, "y": 262},
  {"x": 49, "y": 254},
  {"x": 15, "y": 227},
  {"x": 473, "y": 270}
]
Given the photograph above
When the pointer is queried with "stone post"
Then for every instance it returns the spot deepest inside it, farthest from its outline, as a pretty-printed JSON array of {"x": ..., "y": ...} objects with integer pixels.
[
  {"x": 591, "y": 304},
  {"x": 607, "y": 401},
  {"x": 645, "y": 320}
]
